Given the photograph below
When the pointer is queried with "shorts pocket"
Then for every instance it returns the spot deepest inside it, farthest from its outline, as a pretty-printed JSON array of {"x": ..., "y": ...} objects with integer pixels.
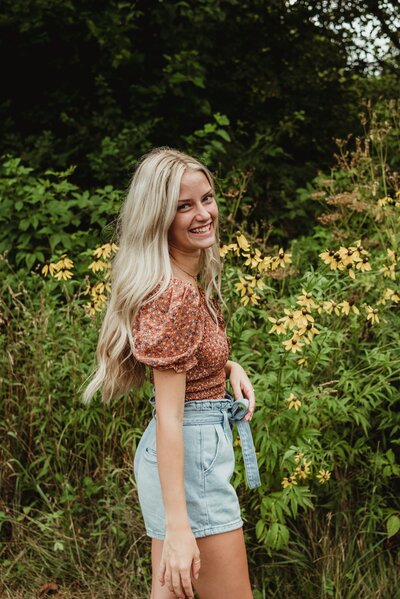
[
  {"x": 211, "y": 445},
  {"x": 150, "y": 455}
]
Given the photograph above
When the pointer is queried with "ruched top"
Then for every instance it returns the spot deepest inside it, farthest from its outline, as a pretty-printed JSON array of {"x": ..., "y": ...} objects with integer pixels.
[{"x": 177, "y": 331}]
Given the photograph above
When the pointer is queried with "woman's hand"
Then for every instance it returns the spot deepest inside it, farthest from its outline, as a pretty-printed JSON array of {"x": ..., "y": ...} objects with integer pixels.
[
  {"x": 179, "y": 560},
  {"x": 241, "y": 386}
]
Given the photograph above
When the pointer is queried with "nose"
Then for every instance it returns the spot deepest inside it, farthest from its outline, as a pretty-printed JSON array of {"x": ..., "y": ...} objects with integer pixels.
[{"x": 202, "y": 214}]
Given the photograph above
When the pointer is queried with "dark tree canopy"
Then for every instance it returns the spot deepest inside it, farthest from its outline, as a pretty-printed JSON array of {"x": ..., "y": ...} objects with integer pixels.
[{"x": 98, "y": 83}]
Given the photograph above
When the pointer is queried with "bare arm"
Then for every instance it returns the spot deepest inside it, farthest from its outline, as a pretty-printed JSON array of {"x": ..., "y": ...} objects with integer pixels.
[
  {"x": 170, "y": 396},
  {"x": 180, "y": 550}
]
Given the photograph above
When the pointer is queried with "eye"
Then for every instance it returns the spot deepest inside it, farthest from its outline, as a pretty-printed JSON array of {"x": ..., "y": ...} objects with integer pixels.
[
  {"x": 183, "y": 205},
  {"x": 209, "y": 197}
]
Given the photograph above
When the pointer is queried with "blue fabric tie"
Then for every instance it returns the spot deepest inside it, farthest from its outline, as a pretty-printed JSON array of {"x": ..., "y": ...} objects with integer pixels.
[{"x": 235, "y": 413}]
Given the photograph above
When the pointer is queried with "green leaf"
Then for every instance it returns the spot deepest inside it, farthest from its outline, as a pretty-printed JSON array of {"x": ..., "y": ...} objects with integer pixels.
[
  {"x": 277, "y": 536},
  {"x": 221, "y": 119},
  {"x": 260, "y": 528},
  {"x": 393, "y": 525},
  {"x": 224, "y": 134},
  {"x": 24, "y": 224}
]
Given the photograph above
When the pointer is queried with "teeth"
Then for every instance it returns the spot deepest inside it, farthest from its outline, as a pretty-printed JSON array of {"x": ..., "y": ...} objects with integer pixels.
[{"x": 202, "y": 230}]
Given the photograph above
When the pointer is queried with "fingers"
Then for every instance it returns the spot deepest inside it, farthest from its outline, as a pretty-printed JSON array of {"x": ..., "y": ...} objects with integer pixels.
[
  {"x": 237, "y": 392},
  {"x": 181, "y": 584},
  {"x": 168, "y": 579},
  {"x": 196, "y": 564},
  {"x": 176, "y": 584},
  {"x": 161, "y": 572},
  {"x": 187, "y": 586},
  {"x": 248, "y": 392},
  {"x": 242, "y": 387}
]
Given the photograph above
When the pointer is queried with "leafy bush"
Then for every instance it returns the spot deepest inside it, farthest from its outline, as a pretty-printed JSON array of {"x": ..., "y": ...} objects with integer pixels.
[
  {"x": 40, "y": 215},
  {"x": 315, "y": 325}
]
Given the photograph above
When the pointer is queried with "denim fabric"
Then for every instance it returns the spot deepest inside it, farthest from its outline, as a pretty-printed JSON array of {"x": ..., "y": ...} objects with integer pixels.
[{"x": 209, "y": 462}]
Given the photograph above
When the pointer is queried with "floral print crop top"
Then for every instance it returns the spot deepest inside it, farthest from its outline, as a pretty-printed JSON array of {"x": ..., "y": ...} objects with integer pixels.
[{"x": 177, "y": 331}]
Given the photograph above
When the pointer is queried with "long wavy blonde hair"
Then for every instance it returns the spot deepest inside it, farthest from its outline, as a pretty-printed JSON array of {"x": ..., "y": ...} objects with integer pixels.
[{"x": 141, "y": 263}]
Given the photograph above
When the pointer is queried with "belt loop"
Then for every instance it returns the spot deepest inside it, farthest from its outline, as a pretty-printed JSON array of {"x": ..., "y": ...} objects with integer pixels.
[{"x": 226, "y": 425}]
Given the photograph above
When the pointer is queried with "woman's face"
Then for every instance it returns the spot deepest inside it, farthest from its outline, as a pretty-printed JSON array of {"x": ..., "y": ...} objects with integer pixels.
[{"x": 197, "y": 214}]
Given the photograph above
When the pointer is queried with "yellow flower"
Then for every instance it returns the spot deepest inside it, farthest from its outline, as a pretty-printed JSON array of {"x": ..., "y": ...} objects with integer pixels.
[
  {"x": 260, "y": 283},
  {"x": 265, "y": 264},
  {"x": 281, "y": 259},
  {"x": 347, "y": 306},
  {"x": 323, "y": 476},
  {"x": 303, "y": 470},
  {"x": 100, "y": 288},
  {"x": 252, "y": 281},
  {"x": 350, "y": 271},
  {"x": 105, "y": 250},
  {"x": 278, "y": 326},
  {"x": 372, "y": 314},
  {"x": 389, "y": 295},
  {"x": 64, "y": 262},
  {"x": 223, "y": 251},
  {"x": 254, "y": 298},
  {"x": 288, "y": 320},
  {"x": 305, "y": 299},
  {"x": 89, "y": 310},
  {"x": 293, "y": 344},
  {"x": 347, "y": 255},
  {"x": 242, "y": 242},
  {"x": 254, "y": 260},
  {"x": 288, "y": 481},
  {"x": 364, "y": 264},
  {"x": 389, "y": 272},
  {"x": 227, "y": 248},
  {"x": 307, "y": 332},
  {"x": 302, "y": 361},
  {"x": 298, "y": 456},
  {"x": 302, "y": 317},
  {"x": 293, "y": 402},
  {"x": 329, "y": 306},
  {"x": 63, "y": 274},
  {"x": 331, "y": 257},
  {"x": 358, "y": 249},
  {"x": 98, "y": 265},
  {"x": 242, "y": 286},
  {"x": 50, "y": 268}
]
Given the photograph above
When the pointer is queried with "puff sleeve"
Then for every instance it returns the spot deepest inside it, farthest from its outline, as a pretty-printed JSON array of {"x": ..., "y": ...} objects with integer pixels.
[{"x": 167, "y": 331}]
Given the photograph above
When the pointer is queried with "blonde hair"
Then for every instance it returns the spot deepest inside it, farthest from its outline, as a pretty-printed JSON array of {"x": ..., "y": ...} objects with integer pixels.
[{"x": 141, "y": 263}]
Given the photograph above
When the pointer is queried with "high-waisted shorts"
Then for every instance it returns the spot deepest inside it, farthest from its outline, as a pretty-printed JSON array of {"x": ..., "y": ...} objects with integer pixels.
[{"x": 209, "y": 461}]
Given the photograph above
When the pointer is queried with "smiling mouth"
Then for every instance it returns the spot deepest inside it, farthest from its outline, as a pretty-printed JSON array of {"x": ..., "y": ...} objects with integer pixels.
[{"x": 199, "y": 230}]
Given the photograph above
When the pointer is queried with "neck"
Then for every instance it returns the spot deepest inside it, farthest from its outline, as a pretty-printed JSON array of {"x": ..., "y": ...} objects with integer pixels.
[{"x": 189, "y": 263}]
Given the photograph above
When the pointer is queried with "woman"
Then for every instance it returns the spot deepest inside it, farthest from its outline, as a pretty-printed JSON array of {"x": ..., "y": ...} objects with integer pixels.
[{"x": 159, "y": 316}]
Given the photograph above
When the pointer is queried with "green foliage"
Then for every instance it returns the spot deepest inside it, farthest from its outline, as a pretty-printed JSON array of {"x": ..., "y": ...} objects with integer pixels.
[
  {"x": 40, "y": 215},
  {"x": 68, "y": 503}
]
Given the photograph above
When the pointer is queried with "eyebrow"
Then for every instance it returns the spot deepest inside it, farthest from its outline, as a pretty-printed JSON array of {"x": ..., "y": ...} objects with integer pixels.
[{"x": 203, "y": 196}]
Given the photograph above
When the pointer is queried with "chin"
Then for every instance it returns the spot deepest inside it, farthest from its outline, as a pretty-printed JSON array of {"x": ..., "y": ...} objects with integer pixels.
[{"x": 204, "y": 243}]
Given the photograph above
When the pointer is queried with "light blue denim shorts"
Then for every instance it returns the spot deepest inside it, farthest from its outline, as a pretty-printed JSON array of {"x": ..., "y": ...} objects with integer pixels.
[{"x": 209, "y": 462}]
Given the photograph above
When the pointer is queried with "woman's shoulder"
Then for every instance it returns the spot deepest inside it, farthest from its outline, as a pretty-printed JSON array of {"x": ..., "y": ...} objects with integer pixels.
[{"x": 177, "y": 291}]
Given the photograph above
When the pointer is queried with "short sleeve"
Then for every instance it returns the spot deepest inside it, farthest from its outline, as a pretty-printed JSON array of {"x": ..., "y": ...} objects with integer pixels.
[{"x": 167, "y": 331}]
